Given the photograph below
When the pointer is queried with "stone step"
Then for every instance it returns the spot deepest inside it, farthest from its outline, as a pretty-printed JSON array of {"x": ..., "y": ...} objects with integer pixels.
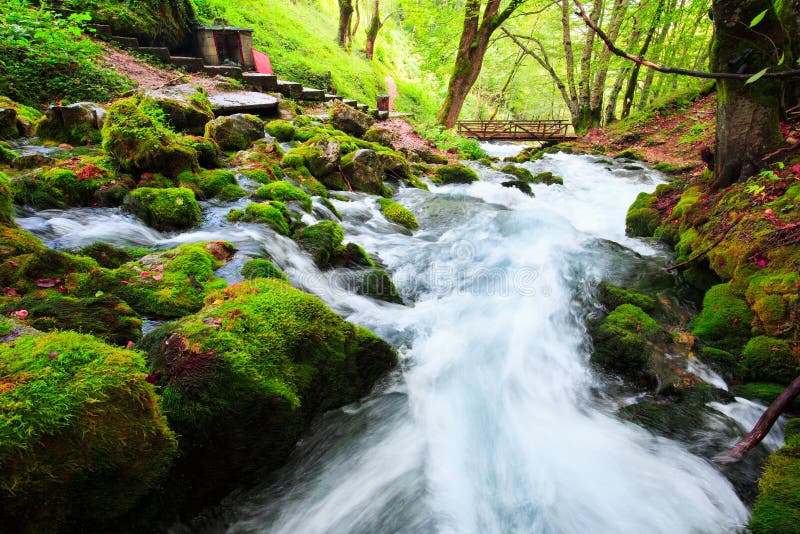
[
  {"x": 314, "y": 95},
  {"x": 362, "y": 107},
  {"x": 328, "y": 98},
  {"x": 349, "y": 102},
  {"x": 223, "y": 70},
  {"x": 189, "y": 64},
  {"x": 244, "y": 102},
  {"x": 126, "y": 42},
  {"x": 380, "y": 115},
  {"x": 265, "y": 82},
  {"x": 101, "y": 31},
  {"x": 158, "y": 52},
  {"x": 290, "y": 89}
]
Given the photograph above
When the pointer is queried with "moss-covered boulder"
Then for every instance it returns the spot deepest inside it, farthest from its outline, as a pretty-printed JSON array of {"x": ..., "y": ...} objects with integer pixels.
[
  {"x": 772, "y": 294},
  {"x": 284, "y": 192},
  {"x": 173, "y": 283},
  {"x": 273, "y": 213},
  {"x": 82, "y": 437},
  {"x": 377, "y": 283},
  {"x": 725, "y": 319},
  {"x": 186, "y": 107},
  {"x": 381, "y": 136},
  {"x": 455, "y": 174},
  {"x": 777, "y": 509},
  {"x": 261, "y": 268},
  {"x": 364, "y": 171},
  {"x": 397, "y": 213},
  {"x": 612, "y": 296},
  {"x": 7, "y": 156},
  {"x": 217, "y": 183},
  {"x": 6, "y": 201},
  {"x": 767, "y": 359},
  {"x": 30, "y": 265},
  {"x": 519, "y": 184},
  {"x": 547, "y": 178},
  {"x": 520, "y": 173},
  {"x": 624, "y": 341},
  {"x": 61, "y": 187},
  {"x": 76, "y": 124},
  {"x": 106, "y": 255},
  {"x": 321, "y": 240},
  {"x": 235, "y": 132},
  {"x": 281, "y": 130},
  {"x": 349, "y": 120},
  {"x": 16, "y": 120},
  {"x": 642, "y": 219},
  {"x": 246, "y": 375},
  {"x": 426, "y": 155},
  {"x": 136, "y": 135},
  {"x": 353, "y": 256},
  {"x": 174, "y": 208}
]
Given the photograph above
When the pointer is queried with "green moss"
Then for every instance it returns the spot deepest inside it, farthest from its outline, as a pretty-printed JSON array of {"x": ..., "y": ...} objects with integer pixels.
[
  {"x": 321, "y": 240},
  {"x": 6, "y": 201},
  {"x": 521, "y": 173},
  {"x": 353, "y": 256},
  {"x": 763, "y": 392},
  {"x": 6, "y": 154},
  {"x": 725, "y": 319},
  {"x": 642, "y": 222},
  {"x": 79, "y": 420},
  {"x": 208, "y": 151},
  {"x": 771, "y": 295},
  {"x": 104, "y": 316},
  {"x": 106, "y": 255},
  {"x": 164, "y": 209},
  {"x": 29, "y": 262},
  {"x": 622, "y": 342},
  {"x": 688, "y": 199},
  {"x": 212, "y": 183},
  {"x": 245, "y": 376},
  {"x": 235, "y": 132},
  {"x": 547, "y": 178},
  {"x": 136, "y": 135},
  {"x": 612, "y": 296},
  {"x": 777, "y": 509},
  {"x": 281, "y": 130},
  {"x": 455, "y": 174},
  {"x": 629, "y": 154},
  {"x": 767, "y": 359},
  {"x": 273, "y": 213},
  {"x": 377, "y": 284},
  {"x": 261, "y": 268},
  {"x": 398, "y": 214},
  {"x": 262, "y": 176},
  {"x": 284, "y": 192}
]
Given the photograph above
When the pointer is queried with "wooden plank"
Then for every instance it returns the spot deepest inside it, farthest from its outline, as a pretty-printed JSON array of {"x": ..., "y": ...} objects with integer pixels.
[{"x": 531, "y": 130}]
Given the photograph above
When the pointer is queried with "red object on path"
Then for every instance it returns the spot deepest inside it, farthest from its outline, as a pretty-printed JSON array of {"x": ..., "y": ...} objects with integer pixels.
[{"x": 262, "y": 62}]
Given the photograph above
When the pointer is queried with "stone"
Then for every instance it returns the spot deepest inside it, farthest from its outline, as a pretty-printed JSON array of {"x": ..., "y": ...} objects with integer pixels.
[
  {"x": 235, "y": 132},
  {"x": 8, "y": 123},
  {"x": 350, "y": 120},
  {"x": 364, "y": 171},
  {"x": 76, "y": 124},
  {"x": 325, "y": 159},
  {"x": 187, "y": 108}
]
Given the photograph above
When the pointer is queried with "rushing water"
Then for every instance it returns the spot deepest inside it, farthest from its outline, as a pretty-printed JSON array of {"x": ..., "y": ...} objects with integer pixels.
[{"x": 495, "y": 422}]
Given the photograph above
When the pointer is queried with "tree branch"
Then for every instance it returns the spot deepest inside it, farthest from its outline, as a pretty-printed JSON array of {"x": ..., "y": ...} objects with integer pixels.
[{"x": 670, "y": 70}]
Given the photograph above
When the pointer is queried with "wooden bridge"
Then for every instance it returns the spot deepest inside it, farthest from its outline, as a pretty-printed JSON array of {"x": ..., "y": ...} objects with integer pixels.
[{"x": 535, "y": 130}]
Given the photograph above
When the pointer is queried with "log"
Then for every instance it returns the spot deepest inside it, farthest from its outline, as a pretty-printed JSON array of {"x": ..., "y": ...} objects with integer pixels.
[{"x": 764, "y": 424}]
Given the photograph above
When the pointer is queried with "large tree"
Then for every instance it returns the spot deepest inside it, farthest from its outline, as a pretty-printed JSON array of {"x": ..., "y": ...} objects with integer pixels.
[
  {"x": 345, "y": 21},
  {"x": 481, "y": 19}
]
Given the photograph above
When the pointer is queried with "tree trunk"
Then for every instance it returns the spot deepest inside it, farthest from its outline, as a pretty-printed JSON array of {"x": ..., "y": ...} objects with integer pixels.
[
  {"x": 472, "y": 48},
  {"x": 747, "y": 115},
  {"x": 627, "y": 100},
  {"x": 611, "y": 108},
  {"x": 345, "y": 19},
  {"x": 374, "y": 27}
]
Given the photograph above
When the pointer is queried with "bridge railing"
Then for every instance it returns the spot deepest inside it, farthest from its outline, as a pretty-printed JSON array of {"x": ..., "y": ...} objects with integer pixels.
[{"x": 541, "y": 130}]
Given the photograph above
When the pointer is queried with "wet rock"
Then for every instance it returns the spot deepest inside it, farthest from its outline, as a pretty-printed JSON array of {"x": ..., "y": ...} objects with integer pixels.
[
  {"x": 8, "y": 123},
  {"x": 364, "y": 170},
  {"x": 76, "y": 124},
  {"x": 430, "y": 157},
  {"x": 235, "y": 132},
  {"x": 32, "y": 161},
  {"x": 519, "y": 184},
  {"x": 322, "y": 240},
  {"x": 325, "y": 159},
  {"x": 377, "y": 284},
  {"x": 455, "y": 174},
  {"x": 164, "y": 209},
  {"x": 350, "y": 120},
  {"x": 382, "y": 136},
  {"x": 547, "y": 178},
  {"x": 186, "y": 107}
]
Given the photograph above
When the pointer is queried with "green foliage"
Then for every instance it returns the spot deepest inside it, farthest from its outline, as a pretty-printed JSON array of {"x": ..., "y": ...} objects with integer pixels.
[
  {"x": 261, "y": 268},
  {"x": 79, "y": 419},
  {"x": 284, "y": 192},
  {"x": 164, "y": 209},
  {"x": 777, "y": 509},
  {"x": 768, "y": 359},
  {"x": 725, "y": 319},
  {"x": 398, "y": 214},
  {"x": 45, "y": 58}
]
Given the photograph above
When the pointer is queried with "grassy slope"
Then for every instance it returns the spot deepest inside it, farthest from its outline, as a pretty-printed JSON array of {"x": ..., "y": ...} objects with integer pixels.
[{"x": 301, "y": 41}]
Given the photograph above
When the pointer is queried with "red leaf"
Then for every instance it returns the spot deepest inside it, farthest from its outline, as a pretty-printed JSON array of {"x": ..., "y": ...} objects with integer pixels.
[
  {"x": 47, "y": 282},
  {"x": 21, "y": 314},
  {"x": 11, "y": 292}
]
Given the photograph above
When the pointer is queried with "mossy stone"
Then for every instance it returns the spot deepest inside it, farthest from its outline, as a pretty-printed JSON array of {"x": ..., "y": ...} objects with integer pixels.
[
  {"x": 767, "y": 359},
  {"x": 520, "y": 173},
  {"x": 455, "y": 174},
  {"x": 398, "y": 214},
  {"x": 377, "y": 284},
  {"x": 612, "y": 296},
  {"x": 547, "y": 178},
  {"x": 261, "y": 268},
  {"x": 164, "y": 209},
  {"x": 79, "y": 420},
  {"x": 725, "y": 319},
  {"x": 281, "y": 130},
  {"x": 235, "y": 132},
  {"x": 284, "y": 192},
  {"x": 321, "y": 240},
  {"x": 6, "y": 201}
]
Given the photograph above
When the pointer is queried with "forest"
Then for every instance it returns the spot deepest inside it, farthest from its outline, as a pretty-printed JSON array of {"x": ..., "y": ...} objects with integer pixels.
[{"x": 310, "y": 266}]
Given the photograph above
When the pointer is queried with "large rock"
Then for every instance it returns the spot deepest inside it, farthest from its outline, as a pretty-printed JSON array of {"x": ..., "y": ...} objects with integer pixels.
[
  {"x": 77, "y": 124},
  {"x": 364, "y": 170},
  {"x": 174, "y": 208},
  {"x": 324, "y": 159},
  {"x": 187, "y": 108},
  {"x": 350, "y": 120},
  {"x": 235, "y": 132},
  {"x": 244, "y": 377},
  {"x": 8, "y": 123},
  {"x": 16, "y": 119},
  {"x": 83, "y": 436}
]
